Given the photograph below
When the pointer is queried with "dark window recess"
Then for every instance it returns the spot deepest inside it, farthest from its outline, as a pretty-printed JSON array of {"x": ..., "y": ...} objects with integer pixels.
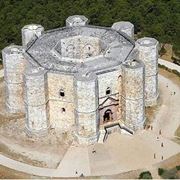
[
  {"x": 108, "y": 91},
  {"x": 63, "y": 110},
  {"x": 61, "y": 93}
]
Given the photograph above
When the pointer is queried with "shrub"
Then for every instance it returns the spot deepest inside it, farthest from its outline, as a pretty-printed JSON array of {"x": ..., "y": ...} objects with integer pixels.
[
  {"x": 178, "y": 168},
  {"x": 145, "y": 175},
  {"x": 160, "y": 171}
]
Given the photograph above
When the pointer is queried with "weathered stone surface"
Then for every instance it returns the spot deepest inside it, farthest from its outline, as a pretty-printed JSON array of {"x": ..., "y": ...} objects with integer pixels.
[
  {"x": 132, "y": 100},
  {"x": 148, "y": 53},
  {"x": 29, "y": 31},
  {"x": 86, "y": 100},
  {"x": 80, "y": 48},
  {"x": 76, "y": 20},
  {"x": 37, "y": 119},
  {"x": 125, "y": 27},
  {"x": 14, "y": 65},
  {"x": 81, "y": 78}
]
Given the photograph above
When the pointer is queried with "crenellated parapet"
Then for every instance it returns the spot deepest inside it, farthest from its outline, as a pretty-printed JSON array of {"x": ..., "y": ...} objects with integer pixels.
[
  {"x": 132, "y": 101},
  {"x": 14, "y": 65},
  {"x": 35, "y": 98},
  {"x": 86, "y": 107},
  {"x": 148, "y": 54}
]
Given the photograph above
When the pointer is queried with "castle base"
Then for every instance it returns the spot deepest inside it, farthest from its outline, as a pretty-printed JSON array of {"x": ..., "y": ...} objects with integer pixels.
[
  {"x": 87, "y": 140},
  {"x": 36, "y": 133},
  {"x": 151, "y": 102}
]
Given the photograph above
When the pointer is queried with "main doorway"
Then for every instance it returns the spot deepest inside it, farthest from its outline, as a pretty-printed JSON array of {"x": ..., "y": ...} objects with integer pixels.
[{"x": 108, "y": 116}]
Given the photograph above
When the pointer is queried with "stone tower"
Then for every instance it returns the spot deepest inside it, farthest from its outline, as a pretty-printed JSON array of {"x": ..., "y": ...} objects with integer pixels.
[
  {"x": 14, "y": 63},
  {"x": 29, "y": 31},
  {"x": 36, "y": 101},
  {"x": 125, "y": 27},
  {"x": 86, "y": 107},
  {"x": 148, "y": 54},
  {"x": 132, "y": 102}
]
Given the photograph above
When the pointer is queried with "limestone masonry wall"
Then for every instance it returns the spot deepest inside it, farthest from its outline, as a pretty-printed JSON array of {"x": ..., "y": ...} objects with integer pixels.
[
  {"x": 29, "y": 31},
  {"x": 86, "y": 100},
  {"x": 108, "y": 80},
  {"x": 13, "y": 61},
  {"x": 61, "y": 106},
  {"x": 37, "y": 122},
  {"x": 80, "y": 47},
  {"x": 125, "y": 27},
  {"x": 132, "y": 100},
  {"x": 148, "y": 54}
]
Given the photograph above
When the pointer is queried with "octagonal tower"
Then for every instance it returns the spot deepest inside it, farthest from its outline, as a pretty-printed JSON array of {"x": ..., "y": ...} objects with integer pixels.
[
  {"x": 36, "y": 101},
  {"x": 86, "y": 111},
  {"x": 132, "y": 102},
  {"x": 29, "y": 31},
  {"x": 148, "y": 53},
  {"x": 14, "y": 64}
]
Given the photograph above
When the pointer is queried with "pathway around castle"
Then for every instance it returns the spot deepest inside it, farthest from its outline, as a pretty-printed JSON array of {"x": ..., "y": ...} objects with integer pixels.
[{"x": 120, "y": 153}]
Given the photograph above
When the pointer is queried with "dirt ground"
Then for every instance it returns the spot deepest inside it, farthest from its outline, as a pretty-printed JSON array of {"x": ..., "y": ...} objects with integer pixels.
[
  {"x": 6, "y": 173},
  {"x": 169, "y": 53},
  {"x": 151, "y": 111},
  {"x": 167, "y": 164}
]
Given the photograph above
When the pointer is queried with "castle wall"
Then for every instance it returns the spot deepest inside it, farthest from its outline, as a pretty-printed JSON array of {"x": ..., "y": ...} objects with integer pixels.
[
  {"x": 14, "y": 64},
  {"x": 37, "y": 122},
  {"x": 86, "y": 109},
  {"x": 105, "y": 80},
  {"x": 80, "y": 47},
  {"x": 59, "y": 117},
  {"x": 132, "y": 101},
  {"x": 148, "y": 53}
]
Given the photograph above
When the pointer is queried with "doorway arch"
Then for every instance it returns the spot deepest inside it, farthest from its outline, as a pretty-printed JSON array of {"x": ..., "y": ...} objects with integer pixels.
[{"x": 108, "y": 116}]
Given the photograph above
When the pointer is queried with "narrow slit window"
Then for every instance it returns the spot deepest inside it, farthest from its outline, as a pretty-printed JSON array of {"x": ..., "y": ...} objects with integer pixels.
[
  {"x": 63, "y": 110},
  {"x": 61, "y": 93},
  {"x": 108, "y": 91}
]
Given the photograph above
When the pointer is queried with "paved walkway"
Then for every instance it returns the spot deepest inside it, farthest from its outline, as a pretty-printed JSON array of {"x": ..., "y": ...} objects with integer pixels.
[
  {"x": 169, "y": 64},
  {"x": 22, "y": 167}
]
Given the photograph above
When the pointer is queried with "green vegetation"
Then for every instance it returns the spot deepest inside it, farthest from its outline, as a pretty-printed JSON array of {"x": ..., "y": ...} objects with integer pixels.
[
  {"x": 145, "y": 175},
  {"x": 156, "y": 18},
  {"x": 160, "y": 171},
  {"x": 169, "y": 174}
]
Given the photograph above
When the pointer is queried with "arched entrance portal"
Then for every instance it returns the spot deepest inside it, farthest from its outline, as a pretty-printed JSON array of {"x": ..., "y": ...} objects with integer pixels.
[{"x": 108, "y": 116}]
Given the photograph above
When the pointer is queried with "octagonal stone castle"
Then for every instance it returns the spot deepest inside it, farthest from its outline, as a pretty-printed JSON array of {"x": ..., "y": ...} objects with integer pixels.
[{"x": 81, "y": 78}]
